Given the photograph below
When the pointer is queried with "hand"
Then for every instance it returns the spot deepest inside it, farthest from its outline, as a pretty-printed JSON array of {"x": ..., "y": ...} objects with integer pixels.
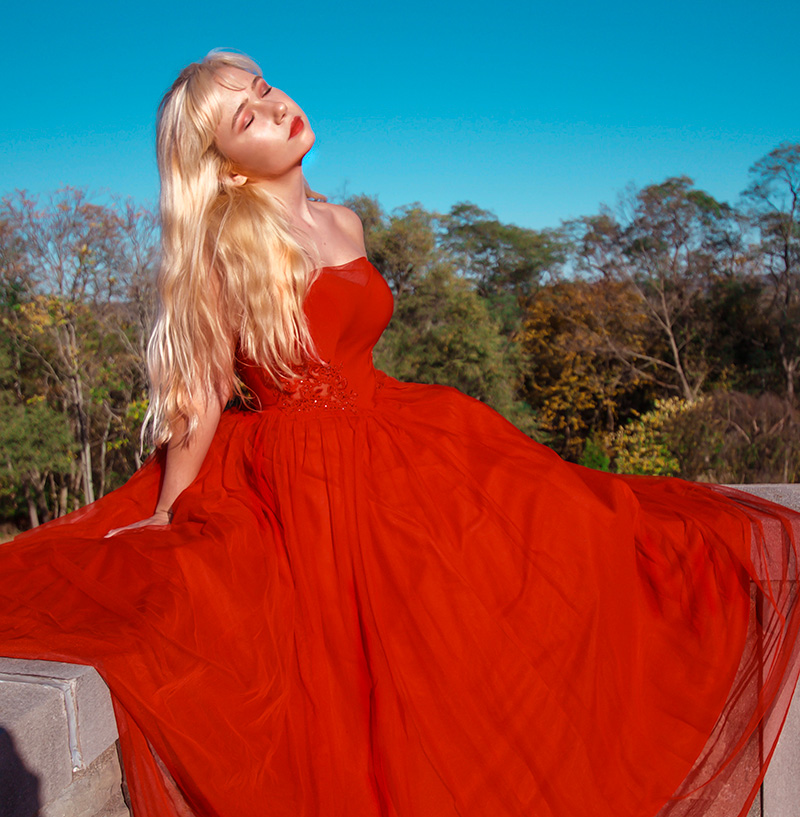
[{"x": 158, "y": 518}]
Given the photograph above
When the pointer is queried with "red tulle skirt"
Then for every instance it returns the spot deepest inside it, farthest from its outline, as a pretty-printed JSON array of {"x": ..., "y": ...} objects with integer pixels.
[{"x": 416, "y": 611}]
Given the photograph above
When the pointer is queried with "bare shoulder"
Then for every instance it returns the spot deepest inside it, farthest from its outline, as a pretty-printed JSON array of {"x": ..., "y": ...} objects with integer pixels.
[
  {"x": 350, "y": 222},
  {"x": 345, "y": 220}
]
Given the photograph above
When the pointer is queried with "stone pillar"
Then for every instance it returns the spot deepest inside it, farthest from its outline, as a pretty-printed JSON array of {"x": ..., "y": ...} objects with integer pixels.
[{"x": 58, "y": 749}]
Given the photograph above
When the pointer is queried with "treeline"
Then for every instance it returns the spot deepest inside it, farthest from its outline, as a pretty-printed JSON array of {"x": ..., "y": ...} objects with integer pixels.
[
  {"x": 661, "y": 336},
  {"x": 76, "y": 305}
]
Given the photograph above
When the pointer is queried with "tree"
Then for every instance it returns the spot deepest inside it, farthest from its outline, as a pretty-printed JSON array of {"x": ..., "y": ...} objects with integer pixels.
[
  {"x": 497, "y": 258},
  {"x": 773, "y": 196},
  {"x": 573, "y": 375},
  {"x": 369, "y": 210},
  {"x": 76, "y": 309},
  {"x": 68, "y": 247},
  {"x": 668, "y": 244},
  {"x": 443, "y": 332},
  {"x": 36, "y": 444},
  {"x": 402, "y": 245},
  {"x": 743, "y": 334}
]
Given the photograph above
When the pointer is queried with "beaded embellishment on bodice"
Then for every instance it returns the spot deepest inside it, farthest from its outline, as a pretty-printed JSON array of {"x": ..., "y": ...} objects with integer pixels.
[{"x": 320, "y": 387}]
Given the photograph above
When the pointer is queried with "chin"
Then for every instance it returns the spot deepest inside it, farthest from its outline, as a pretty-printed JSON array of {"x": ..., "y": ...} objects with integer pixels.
[{"x": 309, "y": 141}]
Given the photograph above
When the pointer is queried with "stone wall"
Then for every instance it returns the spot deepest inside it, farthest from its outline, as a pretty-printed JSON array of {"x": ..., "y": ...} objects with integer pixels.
[{"x": 58, "y": 749}]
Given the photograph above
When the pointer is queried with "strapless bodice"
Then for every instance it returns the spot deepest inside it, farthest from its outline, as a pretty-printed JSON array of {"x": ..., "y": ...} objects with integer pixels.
[{"x": 347, "y": 308}]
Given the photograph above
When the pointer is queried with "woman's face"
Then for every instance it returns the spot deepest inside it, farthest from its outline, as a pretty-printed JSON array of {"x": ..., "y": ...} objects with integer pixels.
[{"x": 262, "y": 131}]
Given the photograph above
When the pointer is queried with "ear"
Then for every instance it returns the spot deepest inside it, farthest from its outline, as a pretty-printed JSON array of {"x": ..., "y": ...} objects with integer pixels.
[{"x": 237, "y": 180}]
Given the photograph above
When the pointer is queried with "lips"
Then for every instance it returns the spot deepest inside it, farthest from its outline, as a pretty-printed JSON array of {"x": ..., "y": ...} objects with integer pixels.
[{"x": 297, "y": 126}]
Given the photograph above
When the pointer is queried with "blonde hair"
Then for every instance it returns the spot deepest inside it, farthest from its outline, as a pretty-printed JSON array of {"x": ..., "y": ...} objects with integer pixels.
[{"x": 231, "y": 271}]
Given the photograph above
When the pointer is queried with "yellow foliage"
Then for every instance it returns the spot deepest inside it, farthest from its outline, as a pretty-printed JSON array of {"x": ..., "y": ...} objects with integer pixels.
[
  {"x": 574, "y": 379},
  {"x": 640, "y": 447}
]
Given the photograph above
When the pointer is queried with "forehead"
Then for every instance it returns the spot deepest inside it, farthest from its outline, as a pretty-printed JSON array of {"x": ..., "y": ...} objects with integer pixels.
[
  {"x": 233, "y": 79},
  {"x": 226, "y": 90}
]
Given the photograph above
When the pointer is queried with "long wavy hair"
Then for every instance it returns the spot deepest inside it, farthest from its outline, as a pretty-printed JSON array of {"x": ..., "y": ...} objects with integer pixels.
[{"x": 232, "y": 273}]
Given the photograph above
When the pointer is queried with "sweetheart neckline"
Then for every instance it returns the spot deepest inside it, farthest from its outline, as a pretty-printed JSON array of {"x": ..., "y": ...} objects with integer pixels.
[{"x": 341, "y": 266}]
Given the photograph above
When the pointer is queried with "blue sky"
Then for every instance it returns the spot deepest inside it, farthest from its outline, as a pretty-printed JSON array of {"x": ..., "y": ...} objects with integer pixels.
[{"x": 536, "y": 111}]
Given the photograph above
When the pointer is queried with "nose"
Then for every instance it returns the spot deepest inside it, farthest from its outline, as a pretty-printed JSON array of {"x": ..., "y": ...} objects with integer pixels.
[
  {"x": 276, "y": 108},
  {"x": 279, "y": 109}
]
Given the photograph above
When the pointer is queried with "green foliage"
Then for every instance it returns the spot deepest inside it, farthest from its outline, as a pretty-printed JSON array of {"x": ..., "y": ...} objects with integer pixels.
[
  {"x": 498, "y": 257},
  {"x": 400, "y": 245},
  {"x": 35, "y": 443},
  {"x": 33, "y": 439},
  {"x": 668, "y": 244},
  {"x": 443, "y": 332},
  {"x": 595, "y": 456}
]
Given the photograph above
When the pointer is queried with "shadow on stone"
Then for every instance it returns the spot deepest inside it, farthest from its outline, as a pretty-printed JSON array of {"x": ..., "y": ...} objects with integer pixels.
[{"x": 19, "y": 789}]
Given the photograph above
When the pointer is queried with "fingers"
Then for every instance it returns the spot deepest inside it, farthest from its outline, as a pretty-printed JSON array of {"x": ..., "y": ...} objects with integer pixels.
[
  {"x": 153, "y": 522},
  {"x": 113, "y": 532},
  {"x": 116, "y": 531}
]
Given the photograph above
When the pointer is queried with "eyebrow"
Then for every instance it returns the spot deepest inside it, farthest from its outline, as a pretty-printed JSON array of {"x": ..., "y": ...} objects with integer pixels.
[{"x": 256, "y": 78}]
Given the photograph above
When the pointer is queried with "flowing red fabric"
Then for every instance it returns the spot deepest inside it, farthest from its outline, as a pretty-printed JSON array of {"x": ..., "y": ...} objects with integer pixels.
[{"x": 380, "y": 598}]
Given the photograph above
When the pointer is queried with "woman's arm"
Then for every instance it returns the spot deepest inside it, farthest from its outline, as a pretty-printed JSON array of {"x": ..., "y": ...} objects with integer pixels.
[{"x": 182, "y": 465}]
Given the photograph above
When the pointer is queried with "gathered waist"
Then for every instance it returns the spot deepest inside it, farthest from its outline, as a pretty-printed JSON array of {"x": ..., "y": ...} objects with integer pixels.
[{"x": 319, "y": 388}]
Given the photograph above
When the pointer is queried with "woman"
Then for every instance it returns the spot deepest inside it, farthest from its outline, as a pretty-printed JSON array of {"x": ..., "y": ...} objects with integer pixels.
[{"x": 362, "y": 597}]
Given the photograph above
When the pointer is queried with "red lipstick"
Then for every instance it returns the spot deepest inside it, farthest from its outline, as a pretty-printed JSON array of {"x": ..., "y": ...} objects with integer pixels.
[{"x": 297, "y": 126}]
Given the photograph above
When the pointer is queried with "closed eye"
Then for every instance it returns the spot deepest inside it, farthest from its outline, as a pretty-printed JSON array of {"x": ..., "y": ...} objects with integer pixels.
[{"x": 267, "y": 89}]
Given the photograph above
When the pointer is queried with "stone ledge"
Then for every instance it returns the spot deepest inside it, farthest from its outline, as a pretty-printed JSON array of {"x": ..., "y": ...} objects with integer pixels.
[
  {"x": 788, "y": 495},
  {"x": 58, "y": 753}
]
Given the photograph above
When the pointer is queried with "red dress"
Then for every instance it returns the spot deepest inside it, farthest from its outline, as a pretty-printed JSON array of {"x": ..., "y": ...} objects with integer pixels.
[{"x": 381, "y": 599}]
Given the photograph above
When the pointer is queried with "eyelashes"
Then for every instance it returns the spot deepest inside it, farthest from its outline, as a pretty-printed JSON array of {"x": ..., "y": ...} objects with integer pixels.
[{"x": 267, "y": 89}]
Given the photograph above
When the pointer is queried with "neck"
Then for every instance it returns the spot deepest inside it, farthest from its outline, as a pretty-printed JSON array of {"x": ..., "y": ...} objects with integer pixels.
[{"x": 290, "y": 189}]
